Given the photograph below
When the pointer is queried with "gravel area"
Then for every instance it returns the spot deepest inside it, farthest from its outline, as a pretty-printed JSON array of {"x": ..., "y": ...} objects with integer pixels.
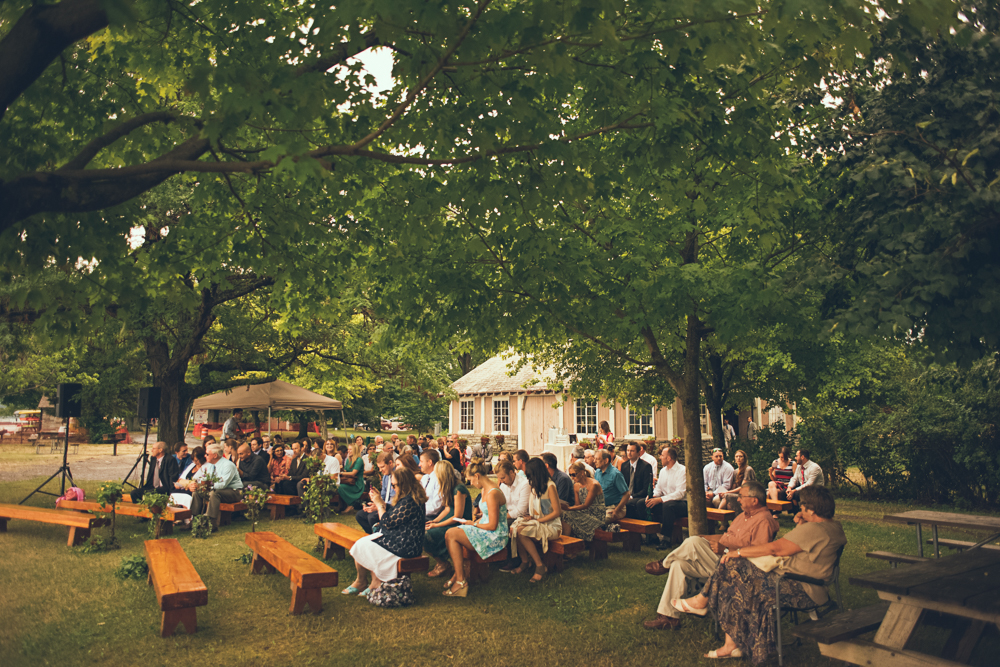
[{"x": 91, "y": 464}]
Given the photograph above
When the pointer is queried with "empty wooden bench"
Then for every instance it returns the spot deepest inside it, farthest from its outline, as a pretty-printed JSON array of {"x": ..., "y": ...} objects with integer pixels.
[
  {"x": 846, "y": 626},
  {"x": 79, "y": 524},
  {"x": 179, "y": 589},
  {"x": 338, "y": 539},
  {"x": 168, "y": 517},
  {"x": 308, "y": 575},
  {"x": 277, "y": 504},
  {"x": 960, "y": 545},
  {"x": 895, "y": 559}
]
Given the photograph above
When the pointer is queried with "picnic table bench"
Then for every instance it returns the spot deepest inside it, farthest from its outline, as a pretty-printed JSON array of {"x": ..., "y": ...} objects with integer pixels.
[
  {"x": 960, "y": 545},
  {"x": 179, "y": 589},
  {"x": 79, "y": 524},
  {"x": 168, "y": 517},
  {"x": 308, "y": 575},
  {"x": 338, "y": 539},
  {"x": 895, "y": 558},
  {"x": 277, "y": 504},
  {"x": 949, "y": 520}
]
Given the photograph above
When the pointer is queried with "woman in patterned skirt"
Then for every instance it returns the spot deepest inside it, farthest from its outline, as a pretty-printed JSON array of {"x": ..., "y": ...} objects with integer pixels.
[
  {"x": 589, "y": 514},
  {"x": 486, "y": 536}
]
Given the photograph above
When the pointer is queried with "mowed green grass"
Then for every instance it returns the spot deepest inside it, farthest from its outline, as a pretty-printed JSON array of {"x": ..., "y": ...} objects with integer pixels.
[{"x": 62, "y": 607}]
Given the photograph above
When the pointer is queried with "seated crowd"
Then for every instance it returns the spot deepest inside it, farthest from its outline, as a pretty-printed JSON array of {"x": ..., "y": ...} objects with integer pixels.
[{"x": 419, "y": 501}]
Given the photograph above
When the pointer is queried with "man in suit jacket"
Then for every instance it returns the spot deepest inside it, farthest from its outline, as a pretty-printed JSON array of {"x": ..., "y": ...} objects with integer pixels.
[
  {"x": 639, "y": 476},
  {"x": 163, "y": 472}
]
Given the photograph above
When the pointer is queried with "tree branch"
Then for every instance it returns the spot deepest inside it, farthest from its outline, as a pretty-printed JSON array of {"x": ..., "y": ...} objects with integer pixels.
[{"x": 84, "y": 157}]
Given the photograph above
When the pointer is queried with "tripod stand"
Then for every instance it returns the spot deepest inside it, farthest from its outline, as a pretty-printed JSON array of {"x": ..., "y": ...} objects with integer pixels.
[
  {"x": 63, "y": 471},
  {"x": 142, "y": 457}
]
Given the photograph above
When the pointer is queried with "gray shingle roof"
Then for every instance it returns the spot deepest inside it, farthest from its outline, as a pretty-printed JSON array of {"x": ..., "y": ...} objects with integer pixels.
[{"x": 493, "y": 377}]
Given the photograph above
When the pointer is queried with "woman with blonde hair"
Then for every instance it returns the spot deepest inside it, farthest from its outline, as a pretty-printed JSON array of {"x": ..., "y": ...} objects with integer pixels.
[
  {"x": 486, "y": 536},
  {"x": 457, "y": 503},
  {"x": 400, "y": 534},
  {"x": 352, "y": 481},
  {"x": 588, "y": 514},
  {"x": 542, "y": 523}
]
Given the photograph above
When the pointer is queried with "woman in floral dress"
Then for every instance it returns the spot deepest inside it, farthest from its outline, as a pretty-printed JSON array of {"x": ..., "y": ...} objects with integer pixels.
[{"x": 589, "y": 514}]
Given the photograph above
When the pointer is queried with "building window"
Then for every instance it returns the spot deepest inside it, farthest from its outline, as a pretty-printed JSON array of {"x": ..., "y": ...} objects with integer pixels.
[
  {"x": 466, "y": 412},
  {"x": 501, "y": 415},
  {"x": 775, "y": 415},
  {"x": 704, "y": 419},
  {"x": 586, "y": 417},
  {"x": 640, "y": 422}
]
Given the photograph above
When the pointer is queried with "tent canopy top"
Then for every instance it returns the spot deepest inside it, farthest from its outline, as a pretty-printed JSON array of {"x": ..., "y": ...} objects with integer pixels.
[{"x": 275, "y": 395}]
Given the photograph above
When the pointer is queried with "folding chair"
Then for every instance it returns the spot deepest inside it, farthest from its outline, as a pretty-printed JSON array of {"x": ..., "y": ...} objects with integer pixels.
[{"x": 815, "y": 611}]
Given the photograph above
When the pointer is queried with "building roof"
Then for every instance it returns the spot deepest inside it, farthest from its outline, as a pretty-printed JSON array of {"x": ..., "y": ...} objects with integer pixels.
[{"x": 493, "y": 377}]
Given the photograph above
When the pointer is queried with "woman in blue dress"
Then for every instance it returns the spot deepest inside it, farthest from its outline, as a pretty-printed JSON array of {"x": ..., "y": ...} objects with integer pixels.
[{"x": 486, "y": 536}]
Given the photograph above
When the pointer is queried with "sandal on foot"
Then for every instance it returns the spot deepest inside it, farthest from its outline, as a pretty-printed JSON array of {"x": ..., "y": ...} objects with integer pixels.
[
  {"x": 540, "y": 572},
  {"x": 439, "y": 571},
  {"x": 714, "y": 655},
  {"x": 683, "y": 606},
  {"x": 350, "y": 590},
  {"x": 364, "y": 593},
  {"x": 463, "y": 590}
]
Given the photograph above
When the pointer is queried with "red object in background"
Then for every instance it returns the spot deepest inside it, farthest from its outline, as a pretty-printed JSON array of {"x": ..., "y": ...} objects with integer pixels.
[
  {"x": 314, "y": 427},
  {"x": 197, "y": 430}
]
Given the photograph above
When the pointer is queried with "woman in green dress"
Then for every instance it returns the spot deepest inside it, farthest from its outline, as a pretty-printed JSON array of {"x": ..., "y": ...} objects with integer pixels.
[
  {"x": 457, "y": 502},
  {"x": 352, "y": 481}
]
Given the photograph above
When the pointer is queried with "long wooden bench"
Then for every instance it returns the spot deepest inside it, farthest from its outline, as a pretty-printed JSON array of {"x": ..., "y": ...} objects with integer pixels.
[
  {"x": 277, "y": 504},
  {"x": 711, "y": 513},
  {"x": 308, "y": 575},
  {"x": 479, "y": 568},
  {"x": 169, "y": 516},
  {"x": 179, "y": 589},
  {"x": 79, "y": 524},
  {"x": 960, "y": 545},
  {"x": 630, "y": 536},
  {"x": 559, "y": 548},
  {"x": 338, "y": 539},
  {"x": 895, "y": 558}
]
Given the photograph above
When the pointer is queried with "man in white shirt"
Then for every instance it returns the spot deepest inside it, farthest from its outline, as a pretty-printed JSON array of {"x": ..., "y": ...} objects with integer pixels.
[
  {"x": 718, "y": 478},
  {"x": 428, "y": 459},
  {"x": 669, "y": 501},
  {"x": 516, "y": 490},
  {"x": 227, "y": 489},
  {"x": 649, "y": 458},
  {"x": 807, "y": 473}
]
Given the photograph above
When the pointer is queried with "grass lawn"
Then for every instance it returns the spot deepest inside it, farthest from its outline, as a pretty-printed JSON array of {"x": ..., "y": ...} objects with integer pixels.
[{"x": 59, "y": 606}]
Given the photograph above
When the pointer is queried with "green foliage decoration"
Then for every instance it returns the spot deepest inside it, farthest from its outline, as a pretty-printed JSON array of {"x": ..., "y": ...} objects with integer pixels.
[
  {"x": 316, "y": 498},
  {"x": 201, "y": 527},
  {"x": 155, "y": 503},
  {"x": 108, "y": 494},
  {"x": 255, "y": 498},
  {"x": 132, "y": 567}
]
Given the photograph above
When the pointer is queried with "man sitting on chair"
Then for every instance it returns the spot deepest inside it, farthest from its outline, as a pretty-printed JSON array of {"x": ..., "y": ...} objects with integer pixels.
[
  {"x": 163, "y": 472},
  {"x": 697, "y": 557}
]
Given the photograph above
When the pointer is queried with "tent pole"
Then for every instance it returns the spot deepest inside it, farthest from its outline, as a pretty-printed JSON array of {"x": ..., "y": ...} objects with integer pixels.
[
  {"x": 268, "y": 424},
  {"x": 343, "y": 420},
  {"x": 186, "y": 424}
]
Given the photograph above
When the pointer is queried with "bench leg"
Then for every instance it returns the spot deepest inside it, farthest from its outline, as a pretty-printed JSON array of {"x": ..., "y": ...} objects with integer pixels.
[
  {"x": 258, "y": 564},
  {"x": 225, "y": 518},
  {"x": 631, "y": 541},
  {"x": 171, "y": 619},
  {"x": 598, "y": 550},
  {"x": 166, "y": 528},
  {"x": 553, "y": 562},
  {"x": 303, "y": 596},
  {"x": 332, "y": 547},
  {"x": 277, "y": 512},
  {"x": 78, "y": 536},
  {"x": 479, "y": 572},
  {"x": 3, "y": 525}
]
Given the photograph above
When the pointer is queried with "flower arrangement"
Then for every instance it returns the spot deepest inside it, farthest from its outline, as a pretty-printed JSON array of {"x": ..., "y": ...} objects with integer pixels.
[
  {"x": 155, "y": 503},
  {"x": 204, "y": 487},
  {"x": 255, "y": 498}
]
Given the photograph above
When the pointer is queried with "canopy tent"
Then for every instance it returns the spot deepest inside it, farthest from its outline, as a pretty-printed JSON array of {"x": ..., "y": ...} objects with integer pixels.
[{"x": 275, "y": 395}]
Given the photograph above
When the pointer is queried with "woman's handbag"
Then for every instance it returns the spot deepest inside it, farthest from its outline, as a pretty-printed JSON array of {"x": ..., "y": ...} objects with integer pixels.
[{"x": 397, "y": 592}]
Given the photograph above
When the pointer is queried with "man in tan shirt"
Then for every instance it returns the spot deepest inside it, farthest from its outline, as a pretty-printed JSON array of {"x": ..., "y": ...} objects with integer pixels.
[{"x": 698, "y": 556}]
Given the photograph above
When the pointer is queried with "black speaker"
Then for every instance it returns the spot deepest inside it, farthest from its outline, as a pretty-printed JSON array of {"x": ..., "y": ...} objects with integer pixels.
[
  {"x": 68, "y": 400},
  {"x": 149, "y": 403}
]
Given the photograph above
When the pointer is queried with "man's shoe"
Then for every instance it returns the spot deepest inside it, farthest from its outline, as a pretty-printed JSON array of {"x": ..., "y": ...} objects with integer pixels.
[
  {"x": 656, "y": 569},
  {"x": 510, "y": 565},
  {"x": 662, "y": 623}
]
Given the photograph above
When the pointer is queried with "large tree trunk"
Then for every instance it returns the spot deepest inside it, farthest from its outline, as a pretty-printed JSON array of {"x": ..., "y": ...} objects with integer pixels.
[
  {"x": 175, "y": 397},
  {"x": 714, "y": 390},
  {"x": 689, "y": 396}
]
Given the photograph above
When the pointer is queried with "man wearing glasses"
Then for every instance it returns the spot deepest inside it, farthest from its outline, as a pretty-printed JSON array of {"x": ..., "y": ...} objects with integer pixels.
[{"x": 698, "y": 556}]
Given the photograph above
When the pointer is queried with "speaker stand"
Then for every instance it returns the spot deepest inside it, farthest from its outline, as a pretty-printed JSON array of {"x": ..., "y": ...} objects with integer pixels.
[
  {"x": 142, "y": 457},
  {"x": 63, "y": 471}
]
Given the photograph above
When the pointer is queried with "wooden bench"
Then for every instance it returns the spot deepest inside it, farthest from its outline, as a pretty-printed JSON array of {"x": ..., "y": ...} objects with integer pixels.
[
  {"x": 308, "y": 575},
  {"x": 79, "y": 524},
  {"x": 559, "y": 548},
  {"x": 638, "y": 527},
  {"x": 169, "y": 516},
  {"x": 179, "y": 589},
  {"x": 779, "y": 505},
  {"x": 895, "y": 558},
  {"x": 226, "y": 511},
  {"x": 844, "y": 626},
  {"x": 338, "y": 539},
  {"x": 602, "y": 538},
  {"x": 277, "y": 504},
  {"x": 479, "y": 568},
  {"x": 960, "y": 545},
  {"x": 712, "y": 514}
]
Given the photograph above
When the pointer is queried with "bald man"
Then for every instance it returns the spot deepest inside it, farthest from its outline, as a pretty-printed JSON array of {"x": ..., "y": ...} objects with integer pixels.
[
  {"x": 253, "y": 470},
  {"x": 163, "y": 472}
]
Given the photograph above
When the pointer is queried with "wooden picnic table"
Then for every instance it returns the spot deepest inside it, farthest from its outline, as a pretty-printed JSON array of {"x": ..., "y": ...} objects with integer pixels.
[
  {"x": 965, "y": 587},
  {"x": 949, "y": 520}
]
